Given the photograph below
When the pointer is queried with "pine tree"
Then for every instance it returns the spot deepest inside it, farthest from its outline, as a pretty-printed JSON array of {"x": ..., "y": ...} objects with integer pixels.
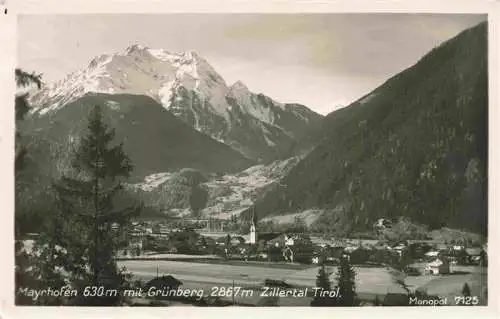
[
  {"x": 466, "y": 290},
  {"x": 88, "y": 195},
  {"x": 23, "y": 79},
  {"x": 23, "y": 276},
  {"x": 322, "y": 281},
  {"x": 346, "y": 284}
]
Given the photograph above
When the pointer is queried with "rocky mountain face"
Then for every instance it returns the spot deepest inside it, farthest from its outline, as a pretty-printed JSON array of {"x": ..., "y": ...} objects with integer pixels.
[
  {"x": 414, "y": 147},
  {"x": 226, "y": 195},
  {"x": 186, "y": 85}
]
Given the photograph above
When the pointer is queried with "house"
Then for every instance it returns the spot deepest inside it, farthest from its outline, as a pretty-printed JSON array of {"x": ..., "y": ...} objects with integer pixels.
[
  {"x": 438, "y": 266},
  {"x": 167, "y": 282},
  {"x": 237, "y": 240},
  {"x": 396, "y": 299},
  {"x": 262, "y": 255},
  {"x": 350, "y": 249},
  {"x": 382, "y": 223},
  {"x": 289, "y": 240},
  {"x": 278, "y": 241},
  {"x": 476, "y": 255},
  {"x": 443, "y": 248},
  {"x": 136, "y": 243},
  {"x": 316, "y": 260},
  {"x": 399, "y": 249},
  {"x": 267, "y": 237},
  {"x": 432, "y": 254}
]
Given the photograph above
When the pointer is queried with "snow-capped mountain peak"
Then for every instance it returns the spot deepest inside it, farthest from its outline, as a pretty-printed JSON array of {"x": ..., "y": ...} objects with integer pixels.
[
  {"x": 136, "y": 70},
  {"x": 190, "y": 88}
]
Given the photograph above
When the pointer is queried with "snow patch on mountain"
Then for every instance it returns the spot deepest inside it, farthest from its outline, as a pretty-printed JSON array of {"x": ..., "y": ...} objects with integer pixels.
[{"x": 165, "y": 93}]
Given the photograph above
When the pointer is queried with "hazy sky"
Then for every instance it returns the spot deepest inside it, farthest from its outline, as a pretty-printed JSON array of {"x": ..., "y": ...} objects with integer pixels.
[{"x": 320, "y": 60}]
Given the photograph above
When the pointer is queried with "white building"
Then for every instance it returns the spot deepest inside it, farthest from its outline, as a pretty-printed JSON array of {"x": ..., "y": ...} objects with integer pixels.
[
  {"x": 253, "y": 234},
  {"x": 437, "y": 267}
]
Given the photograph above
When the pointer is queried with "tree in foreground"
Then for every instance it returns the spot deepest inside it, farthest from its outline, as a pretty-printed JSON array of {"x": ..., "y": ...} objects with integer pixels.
[
  {"x": 346, "y": 284},
  {"x": 23, "y": 275},
  {"x": 23, "y": 80},
  {"x": 466, "y": 290},
  {"x": 322, "y": 281},
  {"x": 93, "y": 213}
]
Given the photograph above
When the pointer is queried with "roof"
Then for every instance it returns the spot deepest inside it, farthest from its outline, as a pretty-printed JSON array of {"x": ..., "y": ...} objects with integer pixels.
[
  {"x": 442, "y": 247},
  {"x": 473, "y": 251},
  {"x": 434, "y": 263},
  {"x": 437, "y": 262},
  {"x": 268, "y": 236},
  {"x": 164, "y": 281},
  {"x": 432, "y": 253}
]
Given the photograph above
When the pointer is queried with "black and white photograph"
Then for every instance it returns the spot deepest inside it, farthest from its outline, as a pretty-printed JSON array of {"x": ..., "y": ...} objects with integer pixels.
[{"x": 251, "y": 159}]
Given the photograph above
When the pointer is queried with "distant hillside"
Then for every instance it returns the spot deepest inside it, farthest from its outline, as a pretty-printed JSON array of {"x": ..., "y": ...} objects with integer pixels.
[
  {"x": 225, "y": 194},
  {"x": 415, "y": 147}
]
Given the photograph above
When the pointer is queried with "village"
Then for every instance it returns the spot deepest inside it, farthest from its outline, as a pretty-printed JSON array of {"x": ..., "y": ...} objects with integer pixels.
[
  {"x": 423, "y": 265},
  {"x": 154, "y": 238}
]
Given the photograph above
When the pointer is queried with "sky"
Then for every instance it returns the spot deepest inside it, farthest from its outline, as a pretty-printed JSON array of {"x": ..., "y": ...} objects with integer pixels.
[{"x": 320, "y": 60}]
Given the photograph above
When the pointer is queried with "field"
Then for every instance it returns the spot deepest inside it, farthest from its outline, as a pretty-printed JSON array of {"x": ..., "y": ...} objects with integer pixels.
[{"x": 370, "y": 281}]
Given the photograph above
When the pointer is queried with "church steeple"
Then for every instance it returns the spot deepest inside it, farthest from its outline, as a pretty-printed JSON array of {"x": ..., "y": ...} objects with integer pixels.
[{"x": 253, "y": 231}]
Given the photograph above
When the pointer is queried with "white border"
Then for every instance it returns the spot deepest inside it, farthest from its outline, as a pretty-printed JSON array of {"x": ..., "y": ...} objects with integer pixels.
[{"x": 7, "y": 89}]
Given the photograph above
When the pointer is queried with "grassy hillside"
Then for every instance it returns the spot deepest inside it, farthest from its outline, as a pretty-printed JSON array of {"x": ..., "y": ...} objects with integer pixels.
[{"x": 415, "y": 147}]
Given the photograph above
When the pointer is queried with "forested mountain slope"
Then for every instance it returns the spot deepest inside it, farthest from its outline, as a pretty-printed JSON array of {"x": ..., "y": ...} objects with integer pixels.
[{"x": 415, "y": 147}]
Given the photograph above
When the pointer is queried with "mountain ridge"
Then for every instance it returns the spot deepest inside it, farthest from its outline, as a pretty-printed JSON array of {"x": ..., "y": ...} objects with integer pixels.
[
  {"x": 189, "y": 87},
  {"x": 145, "y": 128}
]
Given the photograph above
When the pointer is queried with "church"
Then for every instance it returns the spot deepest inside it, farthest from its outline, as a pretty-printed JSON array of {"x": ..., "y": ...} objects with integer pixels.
[{"x": 252, "y": 240}]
